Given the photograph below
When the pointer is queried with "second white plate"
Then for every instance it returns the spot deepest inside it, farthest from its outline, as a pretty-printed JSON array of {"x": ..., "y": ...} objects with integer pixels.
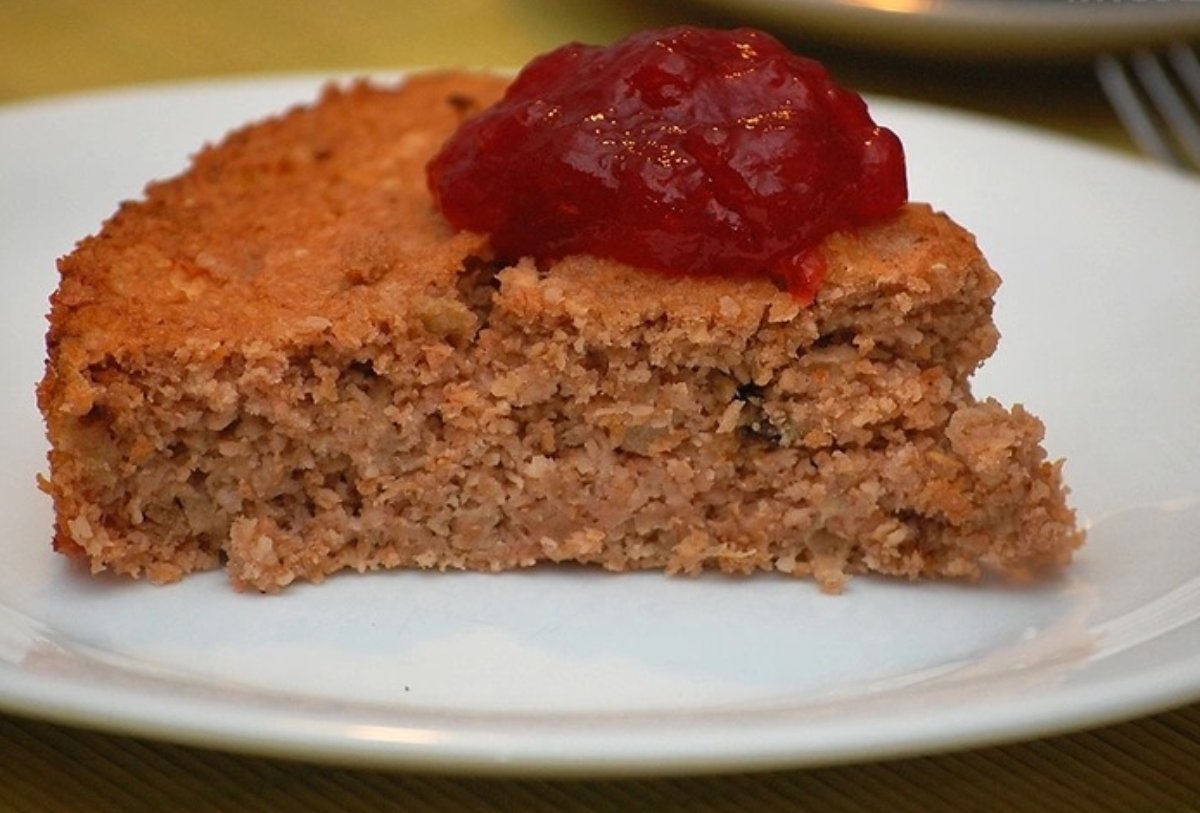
[{"x": 1029, "y": 29}]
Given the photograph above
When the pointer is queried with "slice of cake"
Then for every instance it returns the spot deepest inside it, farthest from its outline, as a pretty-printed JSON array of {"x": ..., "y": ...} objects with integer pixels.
[{"x": 287, "y": 362}]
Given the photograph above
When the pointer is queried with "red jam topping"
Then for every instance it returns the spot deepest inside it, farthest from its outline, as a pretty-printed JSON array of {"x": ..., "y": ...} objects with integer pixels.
[{"x": 686, "y": 150}]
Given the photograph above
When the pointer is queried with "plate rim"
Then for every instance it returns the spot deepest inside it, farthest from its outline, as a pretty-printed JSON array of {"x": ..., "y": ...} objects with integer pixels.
[{"x": 561, "y": 752}]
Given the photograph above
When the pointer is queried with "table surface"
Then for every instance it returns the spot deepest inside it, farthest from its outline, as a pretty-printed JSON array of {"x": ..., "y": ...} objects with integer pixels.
[{"x": 65, "y": 46}]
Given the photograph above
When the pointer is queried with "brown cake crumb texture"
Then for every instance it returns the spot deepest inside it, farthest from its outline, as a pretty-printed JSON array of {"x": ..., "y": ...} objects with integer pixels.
[{"x": 285, "y": 361}]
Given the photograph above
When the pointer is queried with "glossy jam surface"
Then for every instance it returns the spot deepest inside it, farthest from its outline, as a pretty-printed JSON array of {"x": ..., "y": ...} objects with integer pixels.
[{"x": 686, "y": 150}]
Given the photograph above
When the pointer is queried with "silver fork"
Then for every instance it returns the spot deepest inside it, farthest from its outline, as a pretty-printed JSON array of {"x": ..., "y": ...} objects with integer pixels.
[{"x": 1157, "y": 98}]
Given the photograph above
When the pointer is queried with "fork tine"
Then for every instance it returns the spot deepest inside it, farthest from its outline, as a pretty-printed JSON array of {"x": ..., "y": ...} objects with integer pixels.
[
  {"x": 1171, "y": 104},
  {"x": 1135, "y": 116},
  {"x": 1187, "y": 67}
]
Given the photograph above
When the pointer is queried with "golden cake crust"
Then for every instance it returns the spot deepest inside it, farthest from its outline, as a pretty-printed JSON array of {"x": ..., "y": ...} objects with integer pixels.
[{"x": 321, "y": 218}]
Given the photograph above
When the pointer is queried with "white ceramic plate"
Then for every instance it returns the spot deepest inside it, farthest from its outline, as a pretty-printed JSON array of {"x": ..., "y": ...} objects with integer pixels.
[
  {"x": 1037, "y": 29},
  {"x": 577, "y": 672}
]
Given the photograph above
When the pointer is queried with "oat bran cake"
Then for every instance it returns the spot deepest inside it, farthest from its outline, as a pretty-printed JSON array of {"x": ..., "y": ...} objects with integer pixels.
[{"x": 286, "y": 362}]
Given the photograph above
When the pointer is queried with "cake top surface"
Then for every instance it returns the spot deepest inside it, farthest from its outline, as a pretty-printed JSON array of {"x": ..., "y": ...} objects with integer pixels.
[{"x": 319, "y": 221}]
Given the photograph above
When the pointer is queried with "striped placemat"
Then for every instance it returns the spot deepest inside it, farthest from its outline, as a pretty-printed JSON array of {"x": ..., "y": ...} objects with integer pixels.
[{"x": 1151, "y": 764}]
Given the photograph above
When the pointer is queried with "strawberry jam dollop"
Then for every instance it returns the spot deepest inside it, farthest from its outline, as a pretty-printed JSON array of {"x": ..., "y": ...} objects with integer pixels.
[{"x": 684, "y": 150}]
